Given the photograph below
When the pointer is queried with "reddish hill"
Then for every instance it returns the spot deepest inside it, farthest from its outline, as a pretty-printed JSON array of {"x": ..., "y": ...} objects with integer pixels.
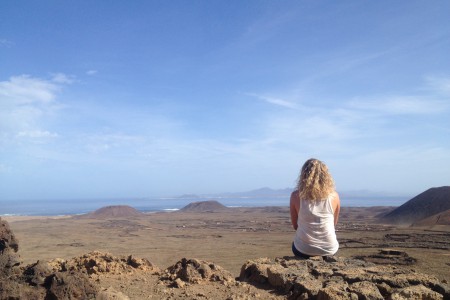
[
  {"x": 204, "y": 206},
  {"x": 117, "y": 211},
  {"x": 429, "y": 203}
]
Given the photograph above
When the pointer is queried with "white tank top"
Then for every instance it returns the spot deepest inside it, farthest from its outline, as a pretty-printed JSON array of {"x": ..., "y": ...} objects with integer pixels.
[{"x": 315, "y": 234}]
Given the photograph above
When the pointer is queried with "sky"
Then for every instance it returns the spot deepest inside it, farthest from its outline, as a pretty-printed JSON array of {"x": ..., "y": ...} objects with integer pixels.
[{"x": 159, "y": 98}]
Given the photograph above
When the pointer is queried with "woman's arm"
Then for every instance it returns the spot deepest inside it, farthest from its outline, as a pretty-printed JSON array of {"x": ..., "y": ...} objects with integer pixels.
[
  {"x": 294, "y": 207},
  {"x": 336, "y": 207}
]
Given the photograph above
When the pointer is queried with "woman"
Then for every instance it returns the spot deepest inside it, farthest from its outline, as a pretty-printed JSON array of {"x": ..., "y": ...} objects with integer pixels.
[{"x": 314, "y": 209}]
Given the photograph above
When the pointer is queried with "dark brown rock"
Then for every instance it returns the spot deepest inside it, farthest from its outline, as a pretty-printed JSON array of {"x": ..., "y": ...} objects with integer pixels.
[
  {"x": 7, "y": 238},
  {"x": 72, "y": 285},
  {"x": 38, "y": 280}
]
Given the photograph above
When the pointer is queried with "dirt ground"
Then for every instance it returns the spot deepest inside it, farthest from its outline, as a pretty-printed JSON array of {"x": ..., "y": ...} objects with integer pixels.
[{"x": 228, "y": 239}]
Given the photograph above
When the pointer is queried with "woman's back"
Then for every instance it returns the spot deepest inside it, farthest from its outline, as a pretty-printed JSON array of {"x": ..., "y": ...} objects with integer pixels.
[
  {"x": 315, "y": 233},
  {"x": 314, "y": 208}
]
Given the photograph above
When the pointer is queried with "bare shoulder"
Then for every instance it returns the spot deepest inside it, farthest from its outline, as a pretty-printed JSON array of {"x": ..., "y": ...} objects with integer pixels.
[
  {"x": 294, "y": 195},
  {"x": 335, "y": 198},
  {"x": 335, "y": 195},
  {"x": 294, "y": 198}
]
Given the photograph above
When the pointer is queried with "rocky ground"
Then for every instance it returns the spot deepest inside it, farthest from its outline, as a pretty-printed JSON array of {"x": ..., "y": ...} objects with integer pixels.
[{"x": 222, "y": 258}]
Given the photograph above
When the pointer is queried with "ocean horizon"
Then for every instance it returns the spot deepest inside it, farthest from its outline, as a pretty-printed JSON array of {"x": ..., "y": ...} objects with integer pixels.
[{"x": 55, "y": 207}]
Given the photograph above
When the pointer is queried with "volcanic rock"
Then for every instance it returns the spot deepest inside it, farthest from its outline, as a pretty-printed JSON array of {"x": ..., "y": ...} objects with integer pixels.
[
  {"x": 99, "y": 263},
  {"x": 204, "y": 206},
  {"x": 431, "y": 202},
  {"x": 7, "y": 238},
  {"x": 8, "y": 248},
  {"x": 195, "y": 271},
  {"x": 341, "y": 278}
]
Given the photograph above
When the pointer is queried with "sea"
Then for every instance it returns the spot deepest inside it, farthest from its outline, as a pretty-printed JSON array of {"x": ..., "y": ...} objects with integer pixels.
[{"x": 62, "y": 207}]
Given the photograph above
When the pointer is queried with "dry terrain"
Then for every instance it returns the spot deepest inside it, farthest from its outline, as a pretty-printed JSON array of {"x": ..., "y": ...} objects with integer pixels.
[{"x": 228, "y": 238}]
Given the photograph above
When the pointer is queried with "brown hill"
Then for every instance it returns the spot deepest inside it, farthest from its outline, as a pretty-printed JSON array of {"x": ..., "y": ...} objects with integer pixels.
[
  {"x": 442, "y": 218},
  {"x": 117, "y": 211},
  {"x": 431, "y": 202},
  {"x": 204, "y": 206}
]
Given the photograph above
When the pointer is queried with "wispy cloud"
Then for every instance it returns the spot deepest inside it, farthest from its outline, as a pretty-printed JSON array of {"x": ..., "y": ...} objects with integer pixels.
[
  {"x": 25, "y": 102},
  {"x": 440, "y": 84},
  {"x": 25, "y": 89},
  {"x": 432, "y": 98},
  {"x": 91, "y": 72},
  {"x": 36, "y": 134},
  {"x": 62, "y": 78},
  {"x": 401, "y": 105},
  {"x": 275, "y": 101},
  {"x": 6, "y": 43}
]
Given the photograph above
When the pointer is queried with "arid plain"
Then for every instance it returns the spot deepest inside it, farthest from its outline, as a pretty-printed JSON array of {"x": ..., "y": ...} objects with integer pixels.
[{"x": 228, "y": 237}]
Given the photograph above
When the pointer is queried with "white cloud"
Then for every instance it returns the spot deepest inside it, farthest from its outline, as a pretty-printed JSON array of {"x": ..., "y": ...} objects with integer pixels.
[
  {"x": 25, "y": 102},
  {"x": 439, "y": 84},
  {"x": 36, "y": 134},
  {"x": 432, "y": 98},
  {"x": 62, "y": 78},
  {"x": 100, "y": 143},
  {"x": 6, "y": 43},
  {"x": 400, "y": 105},
  {"x": 275, "y": 101},
  {"x": 91, "y": 72},
  {"x": 25, "y": 89}
]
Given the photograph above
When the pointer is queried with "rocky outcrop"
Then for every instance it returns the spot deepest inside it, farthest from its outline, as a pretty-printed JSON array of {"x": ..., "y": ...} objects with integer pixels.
[
  {"x": 341, "y": 278},
  {"x": 8, "y": 249},
  {"x": 7, "y": 239},
  {"x": 97, "y": 263},
  {"x": 38, "y": 280},
  {"x": 195, "y": 271}
]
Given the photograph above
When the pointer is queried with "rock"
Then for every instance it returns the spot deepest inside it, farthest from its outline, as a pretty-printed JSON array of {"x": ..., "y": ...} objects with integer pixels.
[
  {"x": 8, "y": 248},
  {"x": 36, "y": 274},
  {"x": 340, "y": 278},
  {"x": 39, "y": 280},
  {"x": 196, "y": 271},
  {"x": 366, "y": 290},
  {"x": 332, "y": 293},
  {"x": 7, "y": 238},
  {"x": 12, "y": 289},
  {"x": 179, "y": 283},
  {"x": 99, "y": 263},
  {"x": 111, "y": 294},
  {"x": 71, "y": 285},
  {"x": 255, "y": 271},
  {"x": 416, "y": 292}
]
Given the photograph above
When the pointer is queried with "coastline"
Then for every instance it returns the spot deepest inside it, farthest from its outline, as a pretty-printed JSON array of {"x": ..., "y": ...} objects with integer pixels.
[
  {"x": 227, "y": 238},
  {"x": 76, "y": 207}
]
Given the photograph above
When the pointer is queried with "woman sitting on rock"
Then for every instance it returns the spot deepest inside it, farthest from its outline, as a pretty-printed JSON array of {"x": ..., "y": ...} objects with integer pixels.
[{"x": 314, "y": 209}]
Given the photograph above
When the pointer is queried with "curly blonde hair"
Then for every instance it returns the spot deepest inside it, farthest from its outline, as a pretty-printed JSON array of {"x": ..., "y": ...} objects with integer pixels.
[{"x": 315, "y": 181}]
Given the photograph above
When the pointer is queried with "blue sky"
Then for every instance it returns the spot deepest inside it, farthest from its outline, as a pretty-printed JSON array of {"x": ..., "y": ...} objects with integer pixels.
[{"x": 155, "y": 98}]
